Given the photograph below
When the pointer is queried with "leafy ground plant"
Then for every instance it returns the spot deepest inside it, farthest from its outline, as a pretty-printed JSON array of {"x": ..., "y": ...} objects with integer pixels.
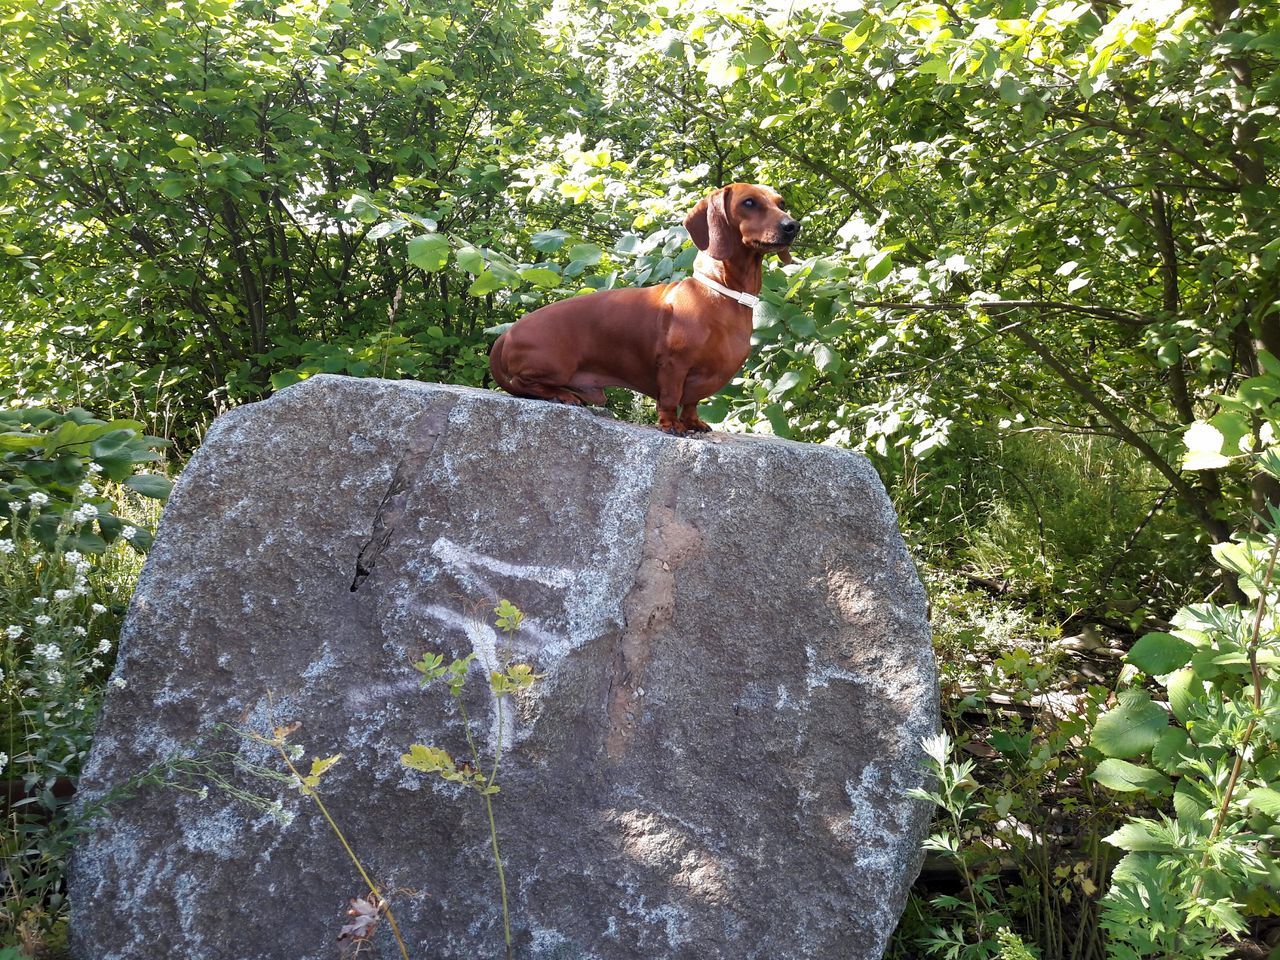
[
  {"x": 69, "y": 557},
  {"x": 1190, "y": 879},
  {"x": 508, "y": 680},
  {"x": 367, "y": 911}
]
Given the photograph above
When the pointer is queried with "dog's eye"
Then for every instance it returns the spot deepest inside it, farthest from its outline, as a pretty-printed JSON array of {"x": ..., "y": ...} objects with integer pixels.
[{"x": 748, "y": 202}]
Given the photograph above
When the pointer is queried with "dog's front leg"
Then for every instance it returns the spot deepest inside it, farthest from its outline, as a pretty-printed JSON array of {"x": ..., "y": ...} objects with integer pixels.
[{"x": 671, "y": 377}]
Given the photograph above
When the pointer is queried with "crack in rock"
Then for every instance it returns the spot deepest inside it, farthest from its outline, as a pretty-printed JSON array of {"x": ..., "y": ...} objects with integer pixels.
[{"x": 391, "y": 509}]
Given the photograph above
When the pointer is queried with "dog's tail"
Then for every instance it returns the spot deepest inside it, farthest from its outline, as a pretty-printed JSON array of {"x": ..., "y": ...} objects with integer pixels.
[{"x": 496, "y": 366}]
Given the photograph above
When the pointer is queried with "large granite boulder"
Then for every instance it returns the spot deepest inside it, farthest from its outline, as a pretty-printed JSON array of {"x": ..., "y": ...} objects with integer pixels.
[{"x": 737, "y": 677}]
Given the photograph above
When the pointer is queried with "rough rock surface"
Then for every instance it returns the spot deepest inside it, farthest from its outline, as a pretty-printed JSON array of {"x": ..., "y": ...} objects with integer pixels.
[{"x": 738, "y": 674}]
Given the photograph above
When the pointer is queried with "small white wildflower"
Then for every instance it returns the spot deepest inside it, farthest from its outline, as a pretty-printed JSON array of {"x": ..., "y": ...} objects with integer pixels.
[
  {"x": 86, "y": 514},
  {"x": 204, "y": 793},
  {"x": 104, "y": 646},
  {"x": 87, "y": 489},
  {"x": 82, "y": 567},
  {"x": 61, "y": 596},
  {"x": 78, "y": 705},
  {"x": 4, "y": 760},
  {"x": 73, "y": 556},
  {"x": 118, "y": 683},
  {"x": 128, "y": 533},
  {"x": 79, "y": 631},
  {"x": 13, "y": 631},
  {"x": 7, "y": 546},
  {"x": 98, "y": 609},
  {"x": 1, "y": 676},
  {"x": 296, "y": 751},
  {"x": 80, "y": 588},
  {"x": 43, "y": 621},
  {"x": 94, "y": 468},
  {"x": 53, "y": 677},
  {"x": 50, "y": 651},
  {"x": 285, "y": 817},
  {"x": 38, "y": 499},
  {"x": 95, "y": 663},
  {"x": 33, "y": 559},
  {"x": 275, "y": 808},
  {"x": 40, "y": 601}
]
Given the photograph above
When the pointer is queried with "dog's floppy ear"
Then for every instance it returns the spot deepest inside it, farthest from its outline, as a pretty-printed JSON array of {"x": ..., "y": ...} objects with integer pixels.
[{"x": 709, "y": 227}]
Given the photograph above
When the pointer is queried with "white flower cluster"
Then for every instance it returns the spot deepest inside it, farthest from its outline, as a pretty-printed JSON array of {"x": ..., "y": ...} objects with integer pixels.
[
  {"x": 85, "y": 514},
  {"x": 98, "y": 609},
  {"x": 4, "y": 760},
  {"x": 13, "y": 631},
  {"x": 62, "y": 596},
  {"x": 87, "y": 489},
  {"x": 43, "y": 621},
  {"x": 7, "y": 546},
  {"x": 128, "y": 533},
  {"x": 50, "y": 651},
  {"x": 38, "y": 499},
  {"x": 104, "y": 646},
  {"x": 118, "y": 683},
  {"x": 94, "y": 468}
]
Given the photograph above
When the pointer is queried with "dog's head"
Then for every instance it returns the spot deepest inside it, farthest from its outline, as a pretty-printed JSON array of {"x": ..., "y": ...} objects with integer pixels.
[{"x": 742, "y": 215}]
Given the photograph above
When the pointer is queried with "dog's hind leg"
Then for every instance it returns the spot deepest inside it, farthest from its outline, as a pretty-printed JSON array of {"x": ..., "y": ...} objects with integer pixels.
[{"x": 523, "y": 386}]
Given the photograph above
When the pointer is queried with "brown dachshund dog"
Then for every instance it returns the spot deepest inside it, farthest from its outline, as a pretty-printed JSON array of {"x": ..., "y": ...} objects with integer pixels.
[{"x": 676, "y": 342}]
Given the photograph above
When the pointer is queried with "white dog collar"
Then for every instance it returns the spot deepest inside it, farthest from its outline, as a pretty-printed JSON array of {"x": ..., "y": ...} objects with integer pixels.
[{"x": 746, "y": 299}]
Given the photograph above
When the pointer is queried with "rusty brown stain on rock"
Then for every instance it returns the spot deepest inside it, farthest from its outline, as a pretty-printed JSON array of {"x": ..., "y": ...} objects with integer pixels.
[{"x": 648, "y": 608}]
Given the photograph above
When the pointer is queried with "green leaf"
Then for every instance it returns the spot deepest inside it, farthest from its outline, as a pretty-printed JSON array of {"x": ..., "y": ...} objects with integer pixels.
[
  {"x": 786, "y": 383},
  {"x": 1132, "y": 727},
  {"x": 16, "y": 440},
  {"x": 427, "y": 759},
  {"x": 1128, "y": 777},
  {"x": 151, "y": 485},
  {"x": 1191, "y": 802},
  {"x": 587, "y": 253},
  {"x": 487, "y": 282},
  {"x": 1142, "y": 835},
  {"x": 386, "y": 229},
  {"x": 1185, "y": 689},
  {"x": 878, "y": 267},
  {"x": 112, "y": 444},
  {"x": 429, "y": 252},
  {"x": 285, "y": 378},
  {"x": 540, "y": 276},
  {"x": 471, "y": 260},
  {"x": 1265, "y": 799},
  {"x": 758, "y": 52},
  {"x": 1157, "y": 654},
  {"x": 1170, "y": 749},
  {"x": 548, "y": 241}
]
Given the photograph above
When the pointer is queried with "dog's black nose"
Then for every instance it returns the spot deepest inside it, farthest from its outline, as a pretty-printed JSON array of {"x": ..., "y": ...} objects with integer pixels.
[{"x": 790, "y": 227}]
